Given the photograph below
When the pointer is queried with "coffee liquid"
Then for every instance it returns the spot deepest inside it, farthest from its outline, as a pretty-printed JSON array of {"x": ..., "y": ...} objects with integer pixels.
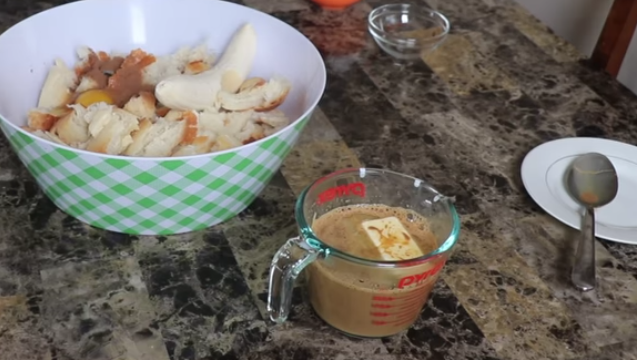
[{"x": 367, "y": 301}]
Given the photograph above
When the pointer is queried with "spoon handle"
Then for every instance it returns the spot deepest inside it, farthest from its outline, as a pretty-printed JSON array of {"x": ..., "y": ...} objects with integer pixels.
[{"x": 583, "y": 275}]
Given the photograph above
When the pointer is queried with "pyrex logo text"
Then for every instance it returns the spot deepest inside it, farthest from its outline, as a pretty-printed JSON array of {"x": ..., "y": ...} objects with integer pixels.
[
  {"x": 418, "y": 278},
  {"x": 330, "y": 194}
]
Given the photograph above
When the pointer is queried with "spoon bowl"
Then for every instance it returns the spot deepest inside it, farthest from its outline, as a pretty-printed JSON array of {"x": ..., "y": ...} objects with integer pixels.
[{"x": 592, "y": 182}]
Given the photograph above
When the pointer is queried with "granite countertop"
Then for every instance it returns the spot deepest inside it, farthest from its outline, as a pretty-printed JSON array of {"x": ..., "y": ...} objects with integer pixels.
[{"x": 463, "y": 119}]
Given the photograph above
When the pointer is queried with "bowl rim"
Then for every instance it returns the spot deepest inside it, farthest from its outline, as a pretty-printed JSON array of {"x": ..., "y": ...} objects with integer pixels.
[
  {"x": 323, "y": 83},
  {"x": 407, "y": 8}
]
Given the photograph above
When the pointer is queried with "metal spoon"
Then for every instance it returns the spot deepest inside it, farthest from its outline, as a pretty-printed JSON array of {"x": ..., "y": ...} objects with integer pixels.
[{"x": 592, "y": 182}]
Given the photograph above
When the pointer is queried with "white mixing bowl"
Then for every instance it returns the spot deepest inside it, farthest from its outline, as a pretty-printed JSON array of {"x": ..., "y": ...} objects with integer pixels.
[{"x": 138, "y": 195}]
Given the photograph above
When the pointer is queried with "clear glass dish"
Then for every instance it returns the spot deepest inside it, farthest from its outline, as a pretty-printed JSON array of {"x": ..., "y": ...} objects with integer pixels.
[{"x": 407, "y": 32}]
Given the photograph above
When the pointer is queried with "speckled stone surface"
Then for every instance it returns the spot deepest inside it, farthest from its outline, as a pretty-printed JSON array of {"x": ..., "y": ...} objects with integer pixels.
[{"x": 463, "y": 118}]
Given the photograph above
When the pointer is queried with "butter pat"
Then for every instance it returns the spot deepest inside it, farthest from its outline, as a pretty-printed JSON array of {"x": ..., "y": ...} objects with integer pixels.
[{"x": 392, "y": 239}]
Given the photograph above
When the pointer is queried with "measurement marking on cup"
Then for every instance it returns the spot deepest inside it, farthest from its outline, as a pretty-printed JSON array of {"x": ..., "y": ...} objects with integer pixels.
[
  {"x": 398, "y": 310},
  {"x": 330, "y": 194},
  {"x": 400, "y": 305},
  {"x": 380, "y": 314},
  {"x": 415, "y": 294},
  {"x": 409, "y": 304},
  {"x": 396, "y": 323},
  {"x": 382, "y": 306},
  {"x": 399, "y": 314},
  {"x": 401, "y": 310}
]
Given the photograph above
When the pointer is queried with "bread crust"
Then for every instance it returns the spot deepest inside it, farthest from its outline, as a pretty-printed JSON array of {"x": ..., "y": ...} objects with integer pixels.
[
  {"x": 257, "y": 95},
  {"x": 158, "y": 139},
  {"x": 143, "y": 105},
  {"x": 72, "y": 128},
  {"x": 58, "y": 86},
  {"x": 113, "y": 134},
  {"x": 45, "y": 119}
]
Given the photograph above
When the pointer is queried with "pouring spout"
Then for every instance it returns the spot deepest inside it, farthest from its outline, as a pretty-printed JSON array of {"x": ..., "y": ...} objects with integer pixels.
[{"x": 447, "y": 200}]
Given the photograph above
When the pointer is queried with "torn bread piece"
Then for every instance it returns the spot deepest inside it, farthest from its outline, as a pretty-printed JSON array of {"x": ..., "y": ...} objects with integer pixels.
[
  {"x": 156, "y": 139},
  {"x": 197, "y": 139},
  {"x": 200, "y": 145},
  {"x": 211, "y": 122},
  {"x": 191, "y": 118},
  {"x": 185, "y": 60},
  {"x": 239, "y": 125},
  {"x": 220, "y": 129},
  {"x": 235, "y": 122},
  {"x": 274, "y": 118},
  {"x": 110, "y": 128},
  {"x": 87, "y": 58},
  {"x": 48, "y": 136},
  {"x": 174, "y": 115},
  {"x": 87, "y": 83},
  {"x": 196, "y": 67},
  {"x": 97, "y": 116},
  {"x": 45, "y": 118},
  {"x": 275, "y": 93},
  {"x": 268, "y": 131},
  {"x": 252, "y": 83},
  {"x": 225, "y": 142},
  {"x": 161, "y": 111},
  {"x": 251, "y": 132},
  {"x": 58, "y": 86},
  {"x": 262, "y": 97},
  {"x": 142, "y": 105},
  {"x": 200, "y": 53},
  {"x": 164, "y": 67},
  {"x": 44, "y": 135},
  {"x": 272, "y": 121},
  {"x": 83, "y": 54},
  {"x": 73, "y": 127},
  {"x": 198, "y": 60}
]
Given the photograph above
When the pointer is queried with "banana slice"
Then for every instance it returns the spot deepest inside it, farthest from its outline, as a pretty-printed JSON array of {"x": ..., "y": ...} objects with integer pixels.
[{"x": 199, "y": 91}]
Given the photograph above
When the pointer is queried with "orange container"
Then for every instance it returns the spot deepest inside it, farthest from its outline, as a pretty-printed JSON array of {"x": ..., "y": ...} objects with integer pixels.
[{"x": 335, "y": 4}]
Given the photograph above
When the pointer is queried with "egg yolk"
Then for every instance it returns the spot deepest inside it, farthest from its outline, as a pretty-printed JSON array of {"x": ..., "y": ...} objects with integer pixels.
[{"x": 91, "y": 97}]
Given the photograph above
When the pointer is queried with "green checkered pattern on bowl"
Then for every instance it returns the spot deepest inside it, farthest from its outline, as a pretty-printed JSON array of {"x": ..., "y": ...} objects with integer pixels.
[{"x": 152, "y": 197}]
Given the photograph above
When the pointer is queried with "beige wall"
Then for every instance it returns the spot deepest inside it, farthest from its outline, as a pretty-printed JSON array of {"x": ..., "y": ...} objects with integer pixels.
[{"x": 580, "y": 22}]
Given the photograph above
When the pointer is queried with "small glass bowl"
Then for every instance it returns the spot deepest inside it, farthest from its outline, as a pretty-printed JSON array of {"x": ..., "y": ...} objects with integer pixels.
[{"x": 407, "y": 32}]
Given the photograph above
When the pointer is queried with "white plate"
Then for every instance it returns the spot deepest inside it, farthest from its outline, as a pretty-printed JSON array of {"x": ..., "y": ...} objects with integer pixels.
[{"x": 543, "y": 174}]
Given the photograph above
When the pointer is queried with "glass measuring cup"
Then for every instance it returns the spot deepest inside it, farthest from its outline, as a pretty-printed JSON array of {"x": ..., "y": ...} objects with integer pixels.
[{"x": 358, "y": 296}]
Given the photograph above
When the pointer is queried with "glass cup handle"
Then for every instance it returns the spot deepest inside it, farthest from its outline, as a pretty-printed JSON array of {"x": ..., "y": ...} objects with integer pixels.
[{"x": 287, "y": 264}]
